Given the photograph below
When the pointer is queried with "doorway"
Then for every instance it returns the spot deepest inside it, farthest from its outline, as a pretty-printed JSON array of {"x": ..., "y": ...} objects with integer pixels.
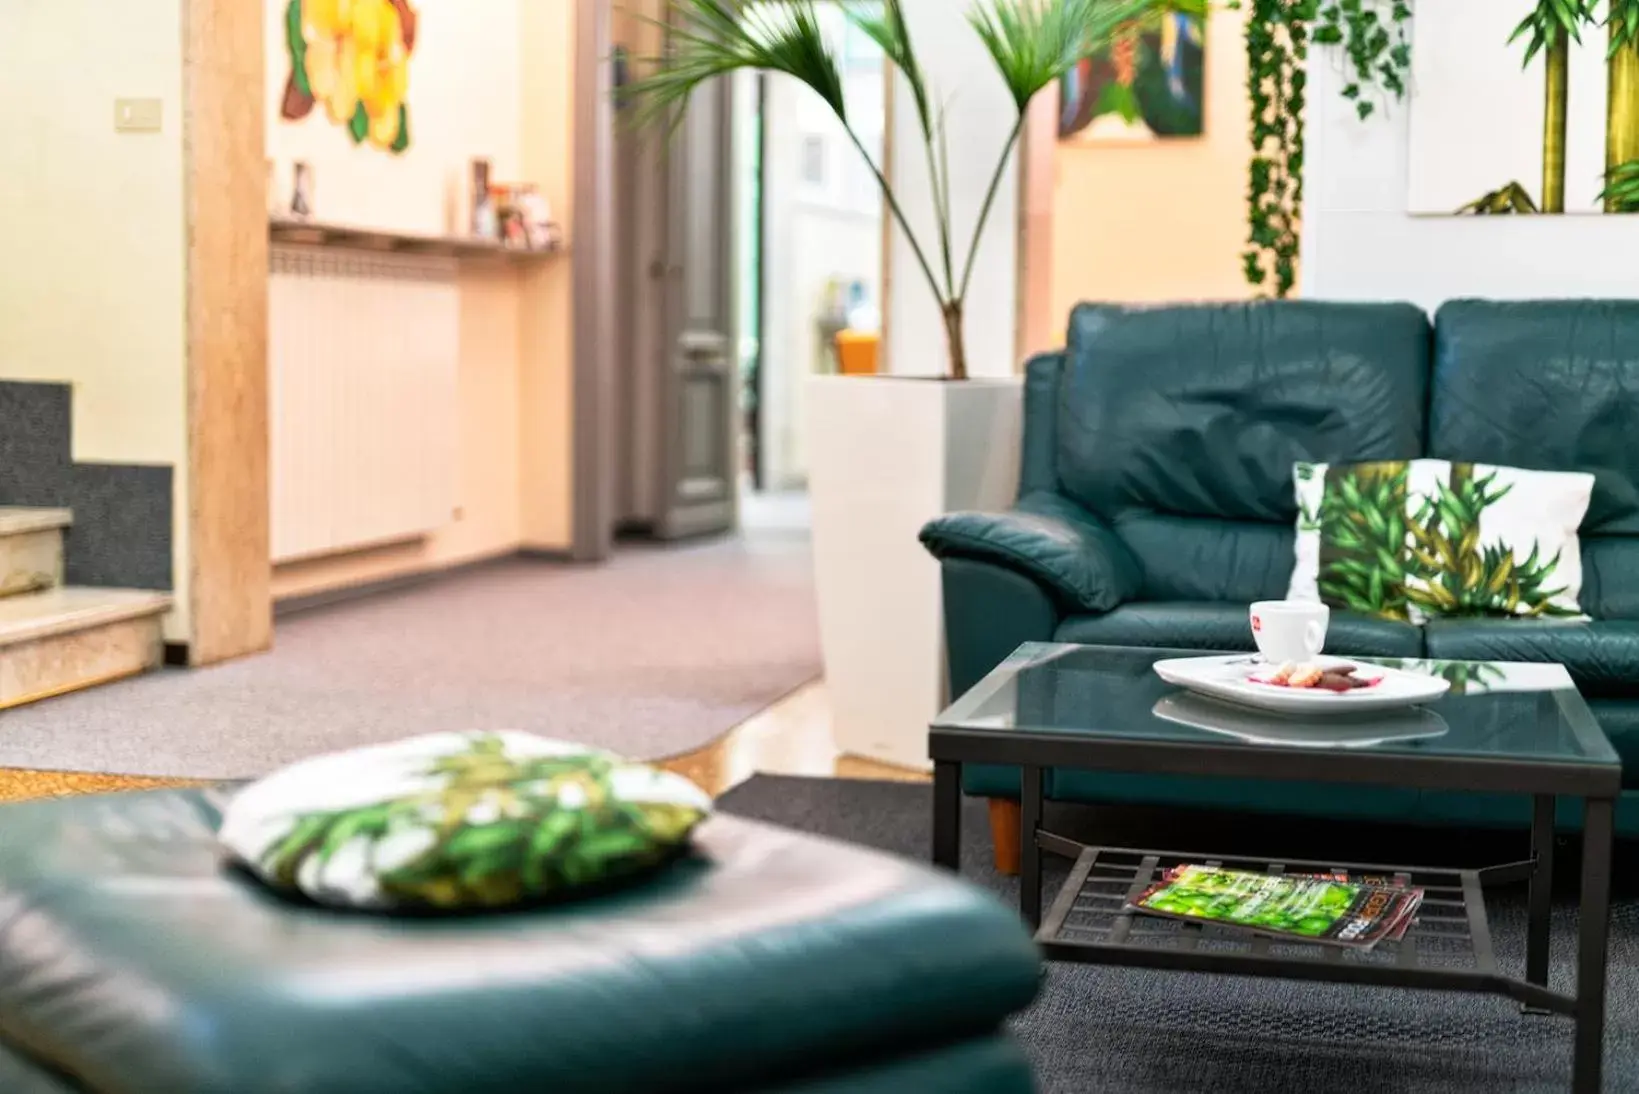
[
  {"x": 809, "y": 266},
  {"x": 744, "y": 244}
]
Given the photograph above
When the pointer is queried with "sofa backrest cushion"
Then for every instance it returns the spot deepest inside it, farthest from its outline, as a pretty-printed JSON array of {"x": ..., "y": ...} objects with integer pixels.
[
  {"x": 1196, "y": 558},
  {"x": 1038, "y": 467},
  {"x": 1180, "y": 426},
  {"x": 1610, "y": 577},
  {"x": 1550, "y": 384},
  {"x": 1201, "y": 410}
]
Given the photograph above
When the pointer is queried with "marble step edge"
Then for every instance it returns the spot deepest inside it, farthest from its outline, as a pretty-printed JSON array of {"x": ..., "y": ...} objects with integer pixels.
[
  {"x": 72, "y": 608},
  {"x": 17, "y": 520}
]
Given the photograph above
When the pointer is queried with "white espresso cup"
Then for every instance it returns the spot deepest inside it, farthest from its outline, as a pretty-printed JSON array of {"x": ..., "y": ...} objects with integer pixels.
[{"x": 1289, "y": 630}]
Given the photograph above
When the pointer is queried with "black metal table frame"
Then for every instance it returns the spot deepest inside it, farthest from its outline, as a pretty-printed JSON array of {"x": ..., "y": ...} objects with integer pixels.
[{"x": 951, "y": 747}]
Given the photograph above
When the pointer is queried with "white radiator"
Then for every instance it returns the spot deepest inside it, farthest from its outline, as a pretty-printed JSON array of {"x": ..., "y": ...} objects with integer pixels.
[{"x": 363, "y": 353}]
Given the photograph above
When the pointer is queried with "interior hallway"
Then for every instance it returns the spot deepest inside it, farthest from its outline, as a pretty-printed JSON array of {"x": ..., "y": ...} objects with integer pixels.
[
  {"x": 791, "y": 737},
  {"x": 701, "y": 654}
]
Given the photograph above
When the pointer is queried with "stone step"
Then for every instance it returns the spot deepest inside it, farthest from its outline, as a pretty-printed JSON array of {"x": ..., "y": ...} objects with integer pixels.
[
  {"x": 31, "y": 549},
  {"x": 66, "y": 639}
]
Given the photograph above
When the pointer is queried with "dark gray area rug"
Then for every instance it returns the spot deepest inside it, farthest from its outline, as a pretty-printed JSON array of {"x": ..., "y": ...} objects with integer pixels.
[
  {"x": 1129, "y": 1030},
  {"x": 654, "y": 653}
]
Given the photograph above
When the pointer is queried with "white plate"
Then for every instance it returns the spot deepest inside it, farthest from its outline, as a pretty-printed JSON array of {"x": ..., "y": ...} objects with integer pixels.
[
  {"x": 1229, "y": 678},
  {"x": 1257, "y": 727}
]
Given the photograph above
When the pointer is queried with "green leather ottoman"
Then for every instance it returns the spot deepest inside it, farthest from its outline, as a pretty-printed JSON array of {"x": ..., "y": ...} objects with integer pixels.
[{"x": 131, "y": 962}]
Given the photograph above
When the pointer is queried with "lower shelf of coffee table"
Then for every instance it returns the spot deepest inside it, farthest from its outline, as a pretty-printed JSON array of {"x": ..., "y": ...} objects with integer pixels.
[{"x": 1449, "y": 947}]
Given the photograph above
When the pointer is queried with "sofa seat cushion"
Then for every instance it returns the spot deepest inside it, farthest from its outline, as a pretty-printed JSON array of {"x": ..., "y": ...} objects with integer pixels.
[
  {"x": 1601, "y": 656},
  {"x": 1332, "y": 801},
  {"x": 1619, "y": 718},
  {"x": 1380, "y": 803},
  {"x": 1209, "y": 625},
  {"x": 133, "y": 960}
]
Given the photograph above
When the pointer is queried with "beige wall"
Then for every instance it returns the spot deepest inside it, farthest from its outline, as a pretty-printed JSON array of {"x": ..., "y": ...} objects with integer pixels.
[
  {"x": 489, "y": 79},
  {"x": 1162, "y": 221},
  {"x": 545, "y": 378},
  {"x": 464, "y": 103},
  {"x": 488, "y": 492},
  {"x": 92, "y": 286}
]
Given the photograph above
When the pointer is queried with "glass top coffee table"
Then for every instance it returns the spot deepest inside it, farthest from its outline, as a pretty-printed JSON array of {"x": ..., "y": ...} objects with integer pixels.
[{"x": 1503, "y": 728}]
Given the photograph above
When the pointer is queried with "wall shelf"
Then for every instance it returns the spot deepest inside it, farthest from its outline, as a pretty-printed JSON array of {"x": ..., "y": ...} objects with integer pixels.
[{"x": 315, "y": 233}]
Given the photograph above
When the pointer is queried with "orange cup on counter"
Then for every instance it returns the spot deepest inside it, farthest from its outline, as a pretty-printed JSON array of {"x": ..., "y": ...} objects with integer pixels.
[{"x": 856, "y": 353}]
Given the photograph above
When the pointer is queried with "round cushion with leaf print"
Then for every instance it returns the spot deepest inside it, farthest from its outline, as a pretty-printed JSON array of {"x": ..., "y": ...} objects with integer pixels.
[{"x": 460, "y": 820}]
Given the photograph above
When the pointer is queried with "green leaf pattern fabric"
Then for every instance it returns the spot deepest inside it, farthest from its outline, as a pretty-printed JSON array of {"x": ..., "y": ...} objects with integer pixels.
[
  {"x": 1465, "y": 677},
  {"x": 1414, "y": 540},
  {"x": 459, "y": 820}
]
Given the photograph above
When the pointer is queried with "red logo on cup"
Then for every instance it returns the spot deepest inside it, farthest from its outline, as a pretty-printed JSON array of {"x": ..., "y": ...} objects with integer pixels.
[{"x": 1257, "y": 624}]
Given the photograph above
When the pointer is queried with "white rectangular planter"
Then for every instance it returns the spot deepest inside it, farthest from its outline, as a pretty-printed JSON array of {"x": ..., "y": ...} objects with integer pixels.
[{"x": 886, "y": 455}]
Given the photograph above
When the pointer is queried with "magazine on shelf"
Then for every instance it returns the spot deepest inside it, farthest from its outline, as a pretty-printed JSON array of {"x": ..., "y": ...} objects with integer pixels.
[
  {"x": 1326, "y": 908},
  {"x": 1406, "y": 921}
]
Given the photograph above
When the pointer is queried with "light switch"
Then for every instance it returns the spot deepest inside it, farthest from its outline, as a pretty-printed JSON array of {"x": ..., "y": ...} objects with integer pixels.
[{"x": 138, "y": 115}]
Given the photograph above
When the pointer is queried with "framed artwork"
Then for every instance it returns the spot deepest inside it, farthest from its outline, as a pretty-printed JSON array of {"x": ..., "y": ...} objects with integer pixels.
[
  {"x": 352, "y": 56},
  {"x": 1147, "y": 85},
  {"x": 1523, "y": 107}
]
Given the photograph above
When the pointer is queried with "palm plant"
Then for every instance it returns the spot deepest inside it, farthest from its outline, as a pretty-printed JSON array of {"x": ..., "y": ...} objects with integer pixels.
[
  {"x": 1364, "y": 554},
  {"x": 1552, "y": 25},
  {"x": 1621, "y": 194},
  {"x": 1455, "y": 575},
  {"x": 1031, "y": 42},
  {"x": 1465, "y": 677},
  {"x": 530, "y": 845},
  {"x": 1511, "y": 199}
]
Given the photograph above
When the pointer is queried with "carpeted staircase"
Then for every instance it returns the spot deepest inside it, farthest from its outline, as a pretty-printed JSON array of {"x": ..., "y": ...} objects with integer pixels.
[{"x": 57, "y": 638}]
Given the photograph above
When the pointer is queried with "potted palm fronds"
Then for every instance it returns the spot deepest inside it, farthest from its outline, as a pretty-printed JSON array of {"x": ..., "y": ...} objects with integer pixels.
[
  {"x": 1032, "y": 43},
  {"x": 888, "y": 453}
]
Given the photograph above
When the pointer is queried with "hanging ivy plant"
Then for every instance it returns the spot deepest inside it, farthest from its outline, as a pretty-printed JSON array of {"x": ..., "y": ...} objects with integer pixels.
[
  {"x": 1277, "y": 49},
  {"x": 1373, "y": 35},
  {"x": 1376, "y": 42}
]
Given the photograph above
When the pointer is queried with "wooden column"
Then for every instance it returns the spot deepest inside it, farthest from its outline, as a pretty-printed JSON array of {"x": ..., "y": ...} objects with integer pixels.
[
  {"x": 593, "y": 288},
  {"x": 1038, "y": 328},
  {"x": 225, "y": 180}
]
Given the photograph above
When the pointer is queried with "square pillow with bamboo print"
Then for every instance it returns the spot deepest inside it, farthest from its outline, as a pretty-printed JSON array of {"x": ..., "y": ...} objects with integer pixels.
[
  {"x": 1414, "y": 540},
  {"x": 459, "y": 820}
]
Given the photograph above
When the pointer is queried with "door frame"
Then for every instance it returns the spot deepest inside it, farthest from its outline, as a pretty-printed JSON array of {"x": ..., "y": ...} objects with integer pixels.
[
  {"x": 755, "y": 425},
  {"x": 592, "y": 367},
  {"x": 595, "y": 417},
  {"x": 681, "y": 516}
]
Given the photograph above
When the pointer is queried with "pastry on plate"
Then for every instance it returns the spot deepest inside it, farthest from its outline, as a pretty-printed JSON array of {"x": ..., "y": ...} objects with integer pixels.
[{"x": 1311, "y": 676}]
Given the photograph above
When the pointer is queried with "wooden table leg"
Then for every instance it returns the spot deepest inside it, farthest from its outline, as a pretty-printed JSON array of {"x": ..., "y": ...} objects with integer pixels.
[{"x": 1006, "y": 822}]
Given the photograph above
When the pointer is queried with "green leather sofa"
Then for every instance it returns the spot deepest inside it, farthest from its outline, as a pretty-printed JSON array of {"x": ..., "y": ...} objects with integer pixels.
[
  {"x": 133, "y": 962},
  {"x": 1156, "y": 501}
]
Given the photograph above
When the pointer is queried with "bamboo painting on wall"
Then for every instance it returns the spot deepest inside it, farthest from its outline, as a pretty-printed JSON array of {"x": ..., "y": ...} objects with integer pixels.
[
  {"x": 1146, "y": 85},
  {"x": 353, "y": 56},
  {"x": 1525, "y": 107}
]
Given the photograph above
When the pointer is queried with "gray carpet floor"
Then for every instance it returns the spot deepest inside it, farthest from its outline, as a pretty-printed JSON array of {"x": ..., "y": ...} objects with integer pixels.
[
  {"x": 652, "y": 654},
  {"x": 1135, "y": 1031}
]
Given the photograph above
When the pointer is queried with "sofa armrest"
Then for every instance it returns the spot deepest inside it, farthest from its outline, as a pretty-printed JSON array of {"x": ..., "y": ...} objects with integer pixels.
[{"x": 1049, "y": 539}]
